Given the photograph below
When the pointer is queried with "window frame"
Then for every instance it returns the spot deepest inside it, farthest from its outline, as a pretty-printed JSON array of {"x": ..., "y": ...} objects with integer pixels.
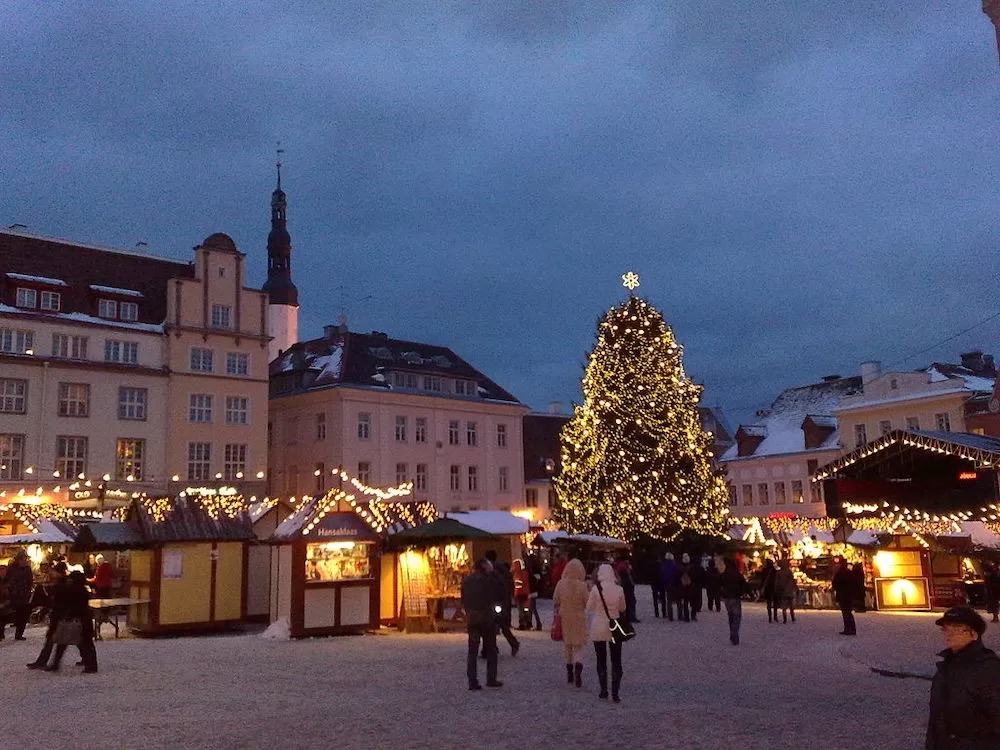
[
  {"x": 199, "y": 454},
  {"x": 9, "y": 395},
  {"x": 237, "y": 363},
  {"x": 68, "y": 396},
  {"x": 201, "y": 359},
  {"x": 50, "y": 301},
  {"x": 21, "y": 296},
  {"x": 133, "y": 466},
  {"x": 137, "y": 406},
  {"x": 221, "y": 316},
  {"x": 71, "y": 464},
  {"x": 238, "y": 410},
  {"x": 12, "y": 456},
  {"x": 200, "y": 412},
  {"x": 364, "y": 431}
]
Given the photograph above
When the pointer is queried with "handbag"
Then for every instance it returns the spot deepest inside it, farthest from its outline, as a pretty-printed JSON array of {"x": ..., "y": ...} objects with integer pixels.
[
  {"x": 556, "y": 630},
  {"x": 68, "y": 633},
  {"x": 621, "y": 628}
]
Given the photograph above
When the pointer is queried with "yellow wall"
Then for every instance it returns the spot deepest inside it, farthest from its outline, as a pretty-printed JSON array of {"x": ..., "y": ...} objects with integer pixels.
[
  {"x": 387, "y": 606},
  {"x": 140, "y": 572},
  {"x": 186, "y": 599},
  {"x": 229, "y": 581}
]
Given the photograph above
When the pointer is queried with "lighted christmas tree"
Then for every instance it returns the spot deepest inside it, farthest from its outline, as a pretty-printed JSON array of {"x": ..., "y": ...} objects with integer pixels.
[{"x": 635, "y": 459}]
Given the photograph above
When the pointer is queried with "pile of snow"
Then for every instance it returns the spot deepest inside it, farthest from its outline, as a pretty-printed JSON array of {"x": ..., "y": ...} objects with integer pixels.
[{"x": 278, "y": 631}]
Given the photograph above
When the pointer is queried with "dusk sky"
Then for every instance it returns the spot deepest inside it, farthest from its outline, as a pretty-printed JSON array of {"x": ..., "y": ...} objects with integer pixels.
[{"x": 800, "y": 185}]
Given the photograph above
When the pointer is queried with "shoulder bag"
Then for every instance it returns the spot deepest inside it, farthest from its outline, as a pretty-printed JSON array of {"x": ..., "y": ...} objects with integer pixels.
[
  {"x": 621, "y": 628},
  {"x": 68, "y": 632}
]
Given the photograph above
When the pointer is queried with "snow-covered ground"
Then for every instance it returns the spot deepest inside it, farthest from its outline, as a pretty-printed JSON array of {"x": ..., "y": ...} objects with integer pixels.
[{"x": 786, "y": 686}]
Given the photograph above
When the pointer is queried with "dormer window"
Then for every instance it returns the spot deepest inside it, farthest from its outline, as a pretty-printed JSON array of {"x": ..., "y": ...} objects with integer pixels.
[
  {"x": 27, "y": 297},
  {"x": 128, "y": 311},
  {"x": 107, "y": 308},
  {"x": 51, "y": 301},
  {"x": 465, "y": 388}
]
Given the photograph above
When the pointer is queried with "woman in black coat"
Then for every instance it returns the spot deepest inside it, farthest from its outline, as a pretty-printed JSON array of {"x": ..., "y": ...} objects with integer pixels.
[
  {"x": 769, "y": 590},
  {"x": 77, "y": 607}
]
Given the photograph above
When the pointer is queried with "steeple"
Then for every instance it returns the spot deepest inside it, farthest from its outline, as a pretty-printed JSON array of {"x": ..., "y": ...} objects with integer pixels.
[{"x": 279, "y": 286}]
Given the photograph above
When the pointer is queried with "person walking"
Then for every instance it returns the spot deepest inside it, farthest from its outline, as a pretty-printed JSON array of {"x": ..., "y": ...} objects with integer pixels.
[
  {"x": 685, "y": 580},
  {"x": 522, "y": 590},
  {"x": 504, "y": 595},
  {"x": 694, "y": 597},
  {"x": 481, "y": 608},
  {"x": 18, "y": 581},
  {"x": 77, "y": 607},
  {"x": 670, "y": 577},
  {"x": 534, "y": 568},
  {"x": 58, "y": 592},
  {"x": 965, "y": 692},
  {"x": 606, "y": 602},
  {"x": 657, "y": 588},
  {"x": 786, "y": 589},
  {"x": 992, "y": 579},
  {"x": 623, "y": 569},
  {"x": 712, "y": 583},
  {"x": 769, "y": 589},
  {"x": 844, "y": 585},
  {"x": 732, "y": 587},
  {"x": 570, "y": 603}
]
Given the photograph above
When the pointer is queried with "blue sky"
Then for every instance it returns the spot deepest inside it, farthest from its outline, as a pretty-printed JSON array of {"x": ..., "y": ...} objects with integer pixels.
[{"x": 801, "y": 186}]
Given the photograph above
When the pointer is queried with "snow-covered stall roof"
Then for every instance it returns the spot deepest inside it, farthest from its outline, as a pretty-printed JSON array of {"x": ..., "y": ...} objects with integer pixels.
[
  {"x": 498, "y": 522},
  {"x": 554, "y": 537}
]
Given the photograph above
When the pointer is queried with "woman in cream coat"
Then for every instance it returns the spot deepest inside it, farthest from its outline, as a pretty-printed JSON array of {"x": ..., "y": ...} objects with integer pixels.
[
  {"x": 570, "y": 601},
  {"x": 600, "y": 632}
]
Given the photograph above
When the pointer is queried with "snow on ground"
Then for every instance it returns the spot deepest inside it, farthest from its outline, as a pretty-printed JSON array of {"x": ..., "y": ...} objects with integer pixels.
[{"x": 786, "y": 686}]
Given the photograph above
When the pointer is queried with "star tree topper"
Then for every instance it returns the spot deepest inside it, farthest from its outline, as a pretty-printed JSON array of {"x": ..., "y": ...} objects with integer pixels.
[{"x": 630, "y": 280}]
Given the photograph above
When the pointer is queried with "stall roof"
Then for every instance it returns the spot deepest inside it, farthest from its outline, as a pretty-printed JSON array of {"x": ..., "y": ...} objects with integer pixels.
[
  {"x": 439, "y": 532},
  {"x": 107, "y": 535},
  {"x": 382, "y": 516},
  {"x": 555, "y": 537},
  {"x": 48, "y": 532},
  {"x": 189, "y": 519},
  {"x": 498, "y": 522}
]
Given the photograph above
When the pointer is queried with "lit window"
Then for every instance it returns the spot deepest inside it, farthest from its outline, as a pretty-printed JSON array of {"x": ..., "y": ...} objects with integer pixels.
[
  {"x": 132, "y": 403},
  {"x": 13, "y": 396},
  {"x": 199, "y": 464},
  {"x": 74, "y": 401},
  {"x": 51, "y": 301},
  {"x": 222, "y": 316},
  {"x": 237, "y": 410},
  {"x": 200, "y": 408},
  {"x": 202, "y": 360},
  {"x": 27, "y": 297},
  {"x": 129, "y": 454},
  {"x": 237, "y": 363},
  {"x": 11, "y": 456},
  {"x": 71, "y": 455},
  {"x": 16, "y": 341},
  {"x": 107, "y": 308}
]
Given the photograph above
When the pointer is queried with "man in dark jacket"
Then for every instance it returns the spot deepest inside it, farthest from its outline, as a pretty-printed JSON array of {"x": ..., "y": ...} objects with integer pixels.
[
  {"x": 19, "y": 581},
  {"x": 732, "y": 586},
  {"x": 59, "y": 602},
  {"x": 504, "y": 594},
  {"x": 844, "y": 591},
  {"x": 481, "y": 607},
  {"x": 965, "y": 693},
  {"x": 670, "y": 577}
]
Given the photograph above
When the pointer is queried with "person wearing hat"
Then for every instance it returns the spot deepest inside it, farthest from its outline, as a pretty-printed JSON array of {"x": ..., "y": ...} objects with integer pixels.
[
  {"x": 965, "y": 692},
  {"x": 18, "y": 581}
]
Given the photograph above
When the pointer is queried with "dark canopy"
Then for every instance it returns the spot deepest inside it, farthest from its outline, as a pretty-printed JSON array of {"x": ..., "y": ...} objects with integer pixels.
[
  {"x": 111, "y": 535},
  {"x": 441, "y": 531}
]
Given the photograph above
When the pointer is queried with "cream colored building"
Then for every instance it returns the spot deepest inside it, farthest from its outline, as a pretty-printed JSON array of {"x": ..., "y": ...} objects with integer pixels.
[
  {"x": 391, "y": 411},
  {"x": 99, "y": 370}
]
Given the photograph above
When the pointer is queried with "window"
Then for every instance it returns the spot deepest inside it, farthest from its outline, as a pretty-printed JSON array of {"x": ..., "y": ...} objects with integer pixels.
[
  {"x": 235, "y": 461},
  {"x": 502, "y": 479},
  {"x": 26, "y": 297},
  {"x": 420, "y": 482},
  {"x": 913, "y": 423},
  {"x": 69, "y": 347},
  {"x": 860, "y": 435},
  {"x": 51, "y": 301},
  {"x": 16, "y": 341},
  {"x": 401, "y": 473},
  {"x": 128, "y": 311},
  {"x": 200, "y": 408},
  {"x": 74, "y": 401},
  {"x": 453, "y": 432},
  {"x": 107, "y": 308},
  {"x": 364, "y": 426},
  {"x": 473, "y": 473},
  {"x": 237, "y": 410},
  {"x": 11, "y": 456},
  {"x": 71, "y": 455},
  {"x": 432, "y": 384},
  {"x": 364, "y": 472},
  {"x": 126, "y": 352},
  {"x": 884, "y": 427},
  {"x": 943, "y": 421},
  {"x": 779, "y": 493},
  {"x": 470, "y": 433},
  {"x": 320, "y": 473},
  {"x": 893, "y": 384},
  {"x": 128, "y": 458},
  {"x": 733, "y": 499},
  {"x": 13, "y": 396},
  {"x": 531, "y": 497},
  {"x": 762, "y": 494},
  {"x": 501, "y": 436},
  {"x": 199, "y": 466},
  {"x": 201, "y": 360},
  {"x": 465, "y": 388},
  {"x": 455, "y": 478},
  {"x": 222, "y": 316},
  {"x": 321, "y": 426},
  {"x": 400, "y": 429},
  {"x": 131, "y": 403},
  {"x": 404, "y": 380},
  {"x": 797, "y": 491},
  {"x": 748, "y": 494},
  {"x": 553, "y": 499},
  {"x": 237, "y": 363},
  {"x": 420, "y": 430}
]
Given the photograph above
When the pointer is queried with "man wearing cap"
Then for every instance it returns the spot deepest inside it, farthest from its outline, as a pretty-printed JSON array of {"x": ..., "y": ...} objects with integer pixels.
[{"x": 965, "y": 693}]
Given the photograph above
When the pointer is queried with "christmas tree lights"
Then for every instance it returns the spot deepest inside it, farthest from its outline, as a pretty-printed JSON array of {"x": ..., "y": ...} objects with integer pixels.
[{"x": 635, "y": 459}]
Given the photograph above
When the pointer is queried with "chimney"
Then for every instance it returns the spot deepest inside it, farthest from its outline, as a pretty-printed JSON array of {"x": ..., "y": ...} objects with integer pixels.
[
  {"x": 330, "y": 332},
  {"x": 973, "y": 361},
  {"x": 989, "y": 367},
  {"x": 555, "y": 407},
  {"x": 870, "y": 370}
]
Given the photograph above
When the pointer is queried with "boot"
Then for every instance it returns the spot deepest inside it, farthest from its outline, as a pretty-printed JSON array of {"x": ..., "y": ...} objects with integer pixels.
[
  {"x": 602, "y": 678},
  {"x": 616, "y": 683},
  {"x": 569, "y": 674},
  {"x": 578, "y": 677}
]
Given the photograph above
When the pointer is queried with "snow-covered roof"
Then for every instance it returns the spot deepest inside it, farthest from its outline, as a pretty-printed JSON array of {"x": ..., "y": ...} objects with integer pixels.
[
  {"x": 972, "y": 381},
  {"x": 23, "y": 232},
  {"x": 116, "y": 290},
  {"x": 84, "y": 318},
  {"x": 37, "y": 279},
  {"x": 978, "y": 533},
  {"x": 822, "y": 420},
  {"x": 498, "y": 522},
  {"x": 329, "y": 365},
  {"x": 754, "y": 430}
]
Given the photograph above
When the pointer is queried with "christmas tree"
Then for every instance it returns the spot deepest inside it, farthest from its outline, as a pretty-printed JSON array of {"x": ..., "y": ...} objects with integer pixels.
[{"x": 635, "y": 459}]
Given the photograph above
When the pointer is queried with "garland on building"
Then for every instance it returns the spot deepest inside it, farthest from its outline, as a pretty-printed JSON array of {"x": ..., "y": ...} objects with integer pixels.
[{"x": 635, "y": 459}]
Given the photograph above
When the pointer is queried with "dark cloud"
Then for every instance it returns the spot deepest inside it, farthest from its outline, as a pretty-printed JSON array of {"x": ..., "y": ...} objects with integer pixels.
[{"x": 800, "y": 185}]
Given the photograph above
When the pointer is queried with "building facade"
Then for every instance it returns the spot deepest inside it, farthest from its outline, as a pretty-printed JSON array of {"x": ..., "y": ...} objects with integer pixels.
[
  {"x": 542, "y": 461},
  {"x": 389, "y": 411},
  {"x": 136, "y": 372}
]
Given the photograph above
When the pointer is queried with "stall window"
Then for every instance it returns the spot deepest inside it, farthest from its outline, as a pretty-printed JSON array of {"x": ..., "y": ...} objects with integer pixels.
[
  {"x": 779, "y": 493},
  {"x": 338, "y": 561}
]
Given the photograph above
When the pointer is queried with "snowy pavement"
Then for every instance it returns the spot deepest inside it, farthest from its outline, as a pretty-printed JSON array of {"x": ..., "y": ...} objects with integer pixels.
[{"x": 786, "y": 686}]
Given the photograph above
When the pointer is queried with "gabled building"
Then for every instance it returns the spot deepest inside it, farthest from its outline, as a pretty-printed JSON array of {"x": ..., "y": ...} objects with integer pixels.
[
  {"x": 128, "y": 369},
  {"x": 769, "y": 466},
  {"x": 390, "y": 411}
]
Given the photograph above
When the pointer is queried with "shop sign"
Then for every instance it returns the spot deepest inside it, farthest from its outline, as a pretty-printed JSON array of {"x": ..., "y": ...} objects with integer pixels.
[
  {"x": 342, "y": 526},
  {"x": 966, "y": 475}
]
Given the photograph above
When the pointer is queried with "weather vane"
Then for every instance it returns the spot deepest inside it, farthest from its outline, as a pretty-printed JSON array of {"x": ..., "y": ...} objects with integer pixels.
[
  {"x": 630, "y": 280},
  {"x": 277, "y": 163}
]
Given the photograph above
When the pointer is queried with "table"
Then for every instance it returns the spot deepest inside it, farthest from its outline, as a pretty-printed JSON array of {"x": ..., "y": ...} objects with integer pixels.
[
  {"x": 109, "y": 610},
  {"x": 437, "y": 603}
]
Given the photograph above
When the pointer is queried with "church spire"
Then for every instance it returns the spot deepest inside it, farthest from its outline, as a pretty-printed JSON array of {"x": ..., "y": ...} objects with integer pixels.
[{"x": 279, "y": 286}]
